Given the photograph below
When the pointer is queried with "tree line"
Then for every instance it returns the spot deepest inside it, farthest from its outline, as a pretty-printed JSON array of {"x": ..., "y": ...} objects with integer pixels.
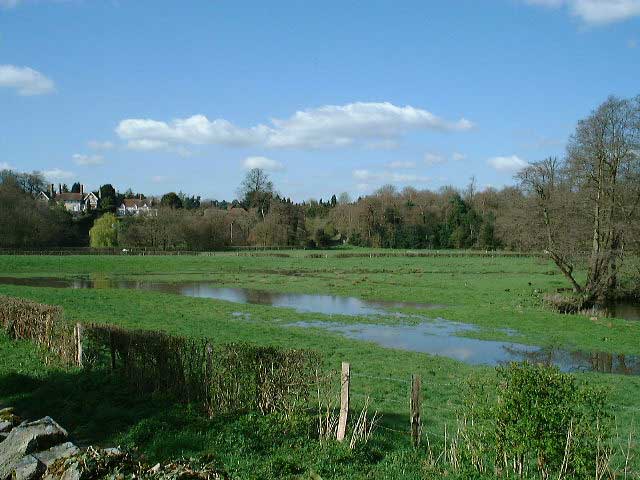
[{"x": 583, "y": 205}]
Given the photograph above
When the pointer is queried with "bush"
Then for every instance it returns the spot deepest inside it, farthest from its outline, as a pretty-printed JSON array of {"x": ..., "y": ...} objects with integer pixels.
[{"x": 540, "y": 420}]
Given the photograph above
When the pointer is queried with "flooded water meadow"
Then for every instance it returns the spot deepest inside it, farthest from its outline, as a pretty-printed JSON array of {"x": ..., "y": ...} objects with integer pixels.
[{"x": 435, "y": 336}]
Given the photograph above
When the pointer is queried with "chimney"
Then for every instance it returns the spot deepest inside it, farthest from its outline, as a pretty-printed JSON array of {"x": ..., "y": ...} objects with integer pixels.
[
  {"x": 82, "y": 188},
  {"x": 59, "y": 188},
  {"x": 52, "y": 190}
]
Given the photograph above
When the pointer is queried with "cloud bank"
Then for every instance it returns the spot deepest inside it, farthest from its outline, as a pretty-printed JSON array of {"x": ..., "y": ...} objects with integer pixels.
[{"x": 327, "y": 126}]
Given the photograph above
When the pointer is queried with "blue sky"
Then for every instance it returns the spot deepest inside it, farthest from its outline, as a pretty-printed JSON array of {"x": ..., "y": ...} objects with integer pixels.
[{"x": 328, "y": 96}]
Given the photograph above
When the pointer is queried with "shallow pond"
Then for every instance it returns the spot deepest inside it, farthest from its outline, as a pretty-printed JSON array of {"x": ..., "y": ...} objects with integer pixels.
[
  {"x": 439, "y": 337},
  {"x": 301, "y": 302}
]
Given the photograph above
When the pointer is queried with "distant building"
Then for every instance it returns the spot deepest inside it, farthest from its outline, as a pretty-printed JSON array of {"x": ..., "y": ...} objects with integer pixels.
[
  {"x": 75, "y": 203},
  {"x": 136, "y": 206}
]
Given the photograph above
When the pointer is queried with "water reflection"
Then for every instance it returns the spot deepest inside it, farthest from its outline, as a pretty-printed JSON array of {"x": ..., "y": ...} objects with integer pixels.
[
  {"x": 439, "y": 338},
  {"x": 624, "y": 309},
  {"x": 323, "y": 304}
]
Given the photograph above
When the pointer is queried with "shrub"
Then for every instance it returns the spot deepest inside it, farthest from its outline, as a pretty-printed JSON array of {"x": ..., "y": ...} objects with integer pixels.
[{"x": 539, "y": 420}]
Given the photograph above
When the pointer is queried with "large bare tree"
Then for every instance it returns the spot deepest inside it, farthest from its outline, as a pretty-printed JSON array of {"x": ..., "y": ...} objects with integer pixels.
[{"x": 589, "y": 201}]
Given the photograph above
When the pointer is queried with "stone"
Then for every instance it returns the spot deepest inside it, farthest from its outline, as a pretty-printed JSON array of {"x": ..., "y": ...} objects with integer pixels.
[
  {"x": 29, "y": 468},
  {"x": 26, "y": 438},
  {"x": 74, "y": 472},
  {"x": 113, "y": 451},
  {"x": 5, "y": 426},
  {"x": 64, "y": 450}
]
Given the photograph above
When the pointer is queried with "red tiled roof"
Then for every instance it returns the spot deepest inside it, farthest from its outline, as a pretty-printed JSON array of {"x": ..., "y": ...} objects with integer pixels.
[
  {"x": 69, "y": 197},
  {"x": 131, "y": 202}
]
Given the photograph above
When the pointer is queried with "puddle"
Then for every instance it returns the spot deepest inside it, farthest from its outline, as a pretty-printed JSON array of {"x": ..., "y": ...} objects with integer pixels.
[
  {"x": 439, "y": 337},
  {"x": 624, "y": 309},
  {"x": 301, "y": 302}
]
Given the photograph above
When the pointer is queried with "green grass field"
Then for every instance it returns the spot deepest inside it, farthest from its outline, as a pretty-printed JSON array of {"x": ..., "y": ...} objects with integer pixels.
[{"x": 493, "y": 293}]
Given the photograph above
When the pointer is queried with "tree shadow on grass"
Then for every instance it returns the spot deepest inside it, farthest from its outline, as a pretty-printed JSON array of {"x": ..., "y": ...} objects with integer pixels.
[
  {"x": 93, "y": 405},
  {"x": 98, "y": 408}
]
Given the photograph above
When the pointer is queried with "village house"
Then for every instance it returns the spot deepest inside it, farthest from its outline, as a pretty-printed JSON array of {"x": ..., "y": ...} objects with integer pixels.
[
  {"x": 76, "y": 203},
  {"x": 136, "y": 206}
]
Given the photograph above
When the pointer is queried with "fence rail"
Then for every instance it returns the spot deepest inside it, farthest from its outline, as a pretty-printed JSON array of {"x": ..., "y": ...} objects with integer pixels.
[{"x": 268, "y": 251}]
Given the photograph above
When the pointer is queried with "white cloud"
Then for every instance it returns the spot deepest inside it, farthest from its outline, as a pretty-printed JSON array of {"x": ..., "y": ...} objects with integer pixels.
[
  {"x": 262, "y": 162},
  {"x": 98, "y": 145},
  {"x": 81, "y": 159},
  {"x": 147, "y": 145},
  {"x": 458, "y": 157},
  {"x": 595, "y": 12},
  {"x": 401, "y": 164},
  {"x": 433, "y": 159},
  {"x": 159, "y": 178},
  {"x": 58, "y": 174},
  {"x": 512, "y": 163},
  {"x": 367, "y": 177},
  {"x": 25, "y": 80},
  {"x": 5, "y": 166},
  {"x": 327, "y": 126}
]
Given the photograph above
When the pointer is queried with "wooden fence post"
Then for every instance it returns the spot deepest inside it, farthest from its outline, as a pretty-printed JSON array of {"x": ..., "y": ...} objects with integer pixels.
[
  {"x": 208, "y": 378},
  {"x": 344, "y": 401},
  {"x": 416, "y": 400},
  {"x": 112, "y": 347},
  {"x": 79, "y": 343}
]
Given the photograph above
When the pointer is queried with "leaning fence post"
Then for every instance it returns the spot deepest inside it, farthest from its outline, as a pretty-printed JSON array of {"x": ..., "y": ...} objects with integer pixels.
[
  {"x": 78, "y": 336},
  {"x": 416, "y": 401},
  {"x": 344, "y": 401}
]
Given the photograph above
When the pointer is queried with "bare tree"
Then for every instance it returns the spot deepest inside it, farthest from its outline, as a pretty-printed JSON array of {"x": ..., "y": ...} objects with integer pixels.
[
  {"x": 544, "y": 183},
  {"x": 590, "y": 200},
  {"x": 604, "y": 163}
]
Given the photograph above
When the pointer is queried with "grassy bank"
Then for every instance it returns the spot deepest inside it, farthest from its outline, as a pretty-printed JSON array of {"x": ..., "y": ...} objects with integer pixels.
[{"x": 493, "y": 293}]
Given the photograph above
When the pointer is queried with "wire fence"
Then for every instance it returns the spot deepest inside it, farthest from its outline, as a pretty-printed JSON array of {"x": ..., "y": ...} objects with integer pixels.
[{"x": 442, "y": 404}]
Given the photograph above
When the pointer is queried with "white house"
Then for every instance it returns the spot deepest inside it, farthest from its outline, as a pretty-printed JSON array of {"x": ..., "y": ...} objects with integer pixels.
[
  {"x": 75, "y": 203},
  {"x": 136, "y": 206}
]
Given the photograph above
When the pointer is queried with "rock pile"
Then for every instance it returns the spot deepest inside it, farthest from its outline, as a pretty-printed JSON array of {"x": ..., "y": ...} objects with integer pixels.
[
  {"x": 40, "y": 450},
  {"x": 27, "y": 449}
]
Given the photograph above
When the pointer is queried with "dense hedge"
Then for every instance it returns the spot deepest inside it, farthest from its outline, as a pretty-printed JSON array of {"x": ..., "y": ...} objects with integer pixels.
[
  {"x": 42, "y": 324},
  {"x": 223, "y": 378}
]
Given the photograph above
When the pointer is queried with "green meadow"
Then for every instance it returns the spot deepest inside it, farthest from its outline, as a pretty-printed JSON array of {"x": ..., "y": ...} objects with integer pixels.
[{"x": 501, "y": 295}]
